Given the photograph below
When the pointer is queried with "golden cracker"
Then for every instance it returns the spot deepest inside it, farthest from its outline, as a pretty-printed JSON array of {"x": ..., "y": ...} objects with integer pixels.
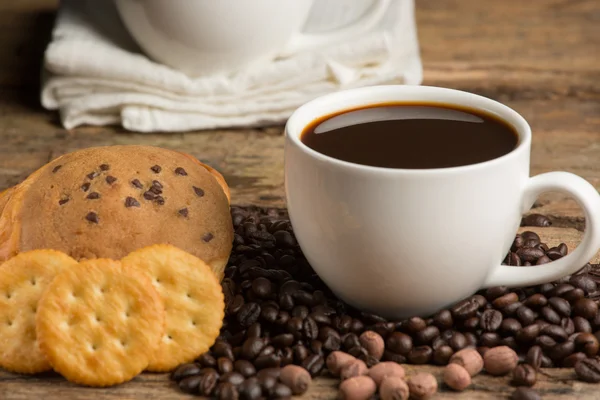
[
  {"x": 193, "y": 299},
  {"x": 98, "y": 323},
  {"x": 23, "y": 279}
]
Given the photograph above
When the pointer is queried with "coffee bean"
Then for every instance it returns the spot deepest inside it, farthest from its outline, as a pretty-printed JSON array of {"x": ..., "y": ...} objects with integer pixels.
[
  {"x": 206, "y": 360},
  {"x": 458, "y": 341},
  {"x": 570, "y": 361},
  {"x": 267, "y": 361},
  {"x": 465, "y": 309},
  {"x": 524, "y": 375},
  {"x": 310, "y": 329},
  {"x": 568, "y": 326},
  {"x": 550, "y": 315},
  {"x": 587, "y": 343},
  {"x": 222, "y": 349},
  {"x": 496, "y": 291},
  {"x": 313, "y": 364},
  {"x": 266, "y": 351},
  {"x": 511, "y": 309},
  {"x": 427, "y": 335},
  {"x": 584, "y": 282},
  {"x": 227, "y": 392},
  {"x": 244, "y": 367},
  {"x": 489, "y": 339},
  {"x": 283, "y": 340},
  {"x": 420, "y": 355},
  {"x": 248, "y": 314},
  {"x": 383, "y": 328},
  {"x": 560, "y": 289},
  {"x": 286, "y": 302},
  {"x": 184, "y": 371},
  {"x": 399, "y": 343},
  {"x": 442, "y": 355},
  {"x": 490, "y": 320},
  {"x": 321, "y": 318},
  {"x": 513, "y": 259},
  {"x": 534, "y": 357},
  {"x": 525, "y": 393},
  {"x": 573, "y": 295},
  {"x": 415, "y": 324},
  {"x": 586, "y": 308},
  {"x": 556, "y": 332},
  {"x": 554, "y": 254},
  {"x": 330, "y": 338},
  {"x": 510, "y": 327},
  {"x": 526, "y": 315},
  {"x": 300, "y": 353},
  {"x": 208, "y": 382},
  {"x": 262, "y": 287},
  {"x": 252, "y": 347},
  {"x": 224, "y": 365},
  {"x": 560, "y": 305},
  {"x": 509, "y": 341},
  {"x": 535, "y": 301},
  {"x": 397, "y": 358},
  {"x": 283, "y": 318},
  {"x": 250, "y": 389},
  {"x": 582, "y": 325},
  {"x": 350, "y": 340},
  {"x": 280, "y": 391},
  {"x": 505, "y": 300},
  {"x": 443, "y": 319},
  {"x": 536, "y": 220},
  {"x": 561, "y": 350},
  {"x": 530, "y": 254},
  {"x": 587, "y": 370},
  {"x": 543, "y": 260},
  {"x": 300, "y": 312},
  {"x": 471, "y": 324},
  {"x": 190, "y": 384}
]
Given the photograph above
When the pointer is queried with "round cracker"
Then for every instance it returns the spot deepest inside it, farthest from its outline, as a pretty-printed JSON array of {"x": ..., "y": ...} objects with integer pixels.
[
  {"x": 98, "y": 323},
  {"x": 23, "y": 279},
  {"x": 193, "y": 299}
]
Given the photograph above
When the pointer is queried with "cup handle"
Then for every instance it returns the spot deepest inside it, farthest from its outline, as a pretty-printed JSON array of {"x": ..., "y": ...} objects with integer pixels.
[
  {"x": 589, "y": 200},
  {"x": 302, "y": 41}
]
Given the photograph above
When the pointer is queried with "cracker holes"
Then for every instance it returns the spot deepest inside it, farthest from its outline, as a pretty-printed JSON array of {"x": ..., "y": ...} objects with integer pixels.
[
  {"x": 9, "y": 323},
  {"x": 157, "y": 281},
  {"x": 33, "y": 281},
  {"x": 98, "y": 319},
  {"x": 193, "y": 323},
  {"x": 189, "y": 296},
  {"x": 8, "y": 295},
  {"x": 169, "y": 337},
  {"x": 94, "y": 347},
  {"x": 123, "y": 343}
]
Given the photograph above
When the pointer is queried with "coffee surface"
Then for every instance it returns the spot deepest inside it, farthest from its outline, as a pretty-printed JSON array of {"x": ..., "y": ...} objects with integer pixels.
[{"x": 411, "y": 136}]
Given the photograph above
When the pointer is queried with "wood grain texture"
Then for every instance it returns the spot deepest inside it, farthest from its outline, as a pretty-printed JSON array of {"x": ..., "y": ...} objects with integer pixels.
[{"x": 539, "y": 57}]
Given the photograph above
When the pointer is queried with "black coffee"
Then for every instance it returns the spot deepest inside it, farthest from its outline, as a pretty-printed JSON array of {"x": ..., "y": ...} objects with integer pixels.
[{"x": 411, "y": 136}]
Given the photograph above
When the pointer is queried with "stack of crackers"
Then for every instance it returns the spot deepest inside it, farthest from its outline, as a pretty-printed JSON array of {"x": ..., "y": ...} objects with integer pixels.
[{"x": 101, "y": 322}]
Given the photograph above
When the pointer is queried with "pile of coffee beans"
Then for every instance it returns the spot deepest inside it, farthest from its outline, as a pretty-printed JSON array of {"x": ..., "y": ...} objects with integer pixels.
[{"x": 279, "y": 314}]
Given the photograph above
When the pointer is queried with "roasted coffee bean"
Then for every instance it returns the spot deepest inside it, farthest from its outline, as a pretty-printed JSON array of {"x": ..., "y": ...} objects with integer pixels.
[
  {"x": 320, "y": 318},
  {"x": 505, "y": 300},
  {"x": 208, "y": 382},
  {"x": 280, "y": 391},
  {"x": 545, "y": 342},
  {"x": 206, "y": 360},
  {"x": 287, "y": 356},
  {"x": 587, "y": 343},
  {"x": 316, "y": 346},
  {"x": 358, "y": 352},
  {"x": 543, "y": 260},
  {"x": 550, "y": 315},
  {"x": 303, "y": 297},
  {"x": 536, "y": 220},
  {"x": 262, "y": 287},
  {"x": 554, "y": 254},
  {"x": 415, "y": 324},
  {"x": 568, "y": 326},
  {"x": 283, "y": 340},
  {"x": 184, "y": 371},
  {"x": 286, "y": 302},
  {"x": 511, "y": 309},
  {"x": 190, "y": 384},
  {"x": 561, "y": 350},
  {"x": 294, "y": 326},
  {"x": 350, "y": 340},
  {"x": 438, "y": 342},
  {"x": 269, "y": 314},
  {"x": 383, "y": 328},
  {"x": 556, "y": 332},
  {"x": 268, "y": 361},
  {"x": 588, "y": 370},
  {"x": 465, "y": 309},
  {"x": 397, "y": 358},
  {"x": 535, "y": 301},
  {"x": 254, "y": 330},
  {"x": 509, "y": 341},
  {"x": 252, "y": 347},
  {"x": 570, "y": 361},
  {"x": 560, "y": 289},
  {"x": 427, "y": 335},
  {"x": 510, "y": 327},
  {"x": 236, "y": 304},
  {"x": 442, "y": 355},
  {"x": 572, "y": 296},
  {"x": 250, "y": 389},
  {"x": 224, "y": 365},
  {"x": 497, "y": 291},
  {"x": 490, "y": 320},
  {"x": 458, "y": 341},
  {"x": 443, "y": 319},
  {"x": 534, "y": 357},
  {"x": 471, "y": 339},
  {"x": 586, "y": 308},
  {"x": 524, "y": 375},
  {"x": 560, "y": 305},
  {"x": 480, "y": 299},
  {"x": 357, "y": 326},
  {"x": 399, "y": 343},
  {"x": 582, "y": 325},
  {"x": 235, "y": 378},
  {"x": 300, "y": 353},
  {"x": 330, "y": 338},
  {"x": 584, "y": 282},
  {"x": 227, "y": 392},
  {"x": 526, "y": 315},
  {"x": 222, "y": 349},
  {"x": 471, "y": 324},
  {"x": 272, "y": 372},
  {"x": 266, "y": 351},
  {"x": 344, "y": 324},
  {"x": 518, "y": 242},
  {"x": 530, "y": 254},
  {"x": 248, "y": 314},
  {"x": 420, "y": 355},
  {"x": 313, "y": 364},
  {"x": 244, "y": 367},
  {"x": 310, "y": 329},
  {"x": 489, "y": 339},
  {"x": 283, "y": 318},
  {"x": 513, "y": 259},
  {"x": 525, "y": 393}
]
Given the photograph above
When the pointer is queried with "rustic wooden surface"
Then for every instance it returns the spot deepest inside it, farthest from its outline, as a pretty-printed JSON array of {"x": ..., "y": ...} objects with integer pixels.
[{"x": 539, "y": 57}]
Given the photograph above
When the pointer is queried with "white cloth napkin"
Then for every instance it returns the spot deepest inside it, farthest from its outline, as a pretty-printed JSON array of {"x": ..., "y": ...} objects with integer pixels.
[{"x": 95, "y": 74}]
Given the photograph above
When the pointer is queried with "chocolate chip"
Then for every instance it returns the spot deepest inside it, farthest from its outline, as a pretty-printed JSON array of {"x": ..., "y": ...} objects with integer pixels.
[
  {"x": 55, "y": 169},
  {"x": 93, "y": 196},
  {"x": 131, "y": 202},
  {"x": 156, "y": 169},
  {"x": 104, "y": 167},
  {"x": 199, "y": 192},
  {"x": 92, "y": 175},
  {"x": 63, "y": 201},
  {"x": 157, "y": 184},
  {"x": 136, "y": 183},
  {"x": 180, "y": 171},
  {"x": 207, "y": 237},
  {"x": 92, "y": 217},
  {"x": 183, "y": 212},
  {"x": 110, "y": 179},
  {"x": 85, "y": 187},
  {"x": 156, "y": 187},
  {"x": 149, "y": 195},
  {"x": 159, "y": 200}
]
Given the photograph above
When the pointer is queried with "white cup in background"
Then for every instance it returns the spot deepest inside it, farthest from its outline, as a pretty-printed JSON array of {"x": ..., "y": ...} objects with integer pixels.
[{"x": 201, "y": 37}]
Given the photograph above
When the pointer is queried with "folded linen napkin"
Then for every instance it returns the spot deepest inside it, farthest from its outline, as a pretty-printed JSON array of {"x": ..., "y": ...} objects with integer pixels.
[{"x": 95, "y": 74}]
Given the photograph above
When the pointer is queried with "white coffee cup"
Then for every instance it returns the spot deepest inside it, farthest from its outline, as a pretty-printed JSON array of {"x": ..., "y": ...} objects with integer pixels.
[
  {"x": 202, "y": 37},
  {"x": 402, "y": 242}
]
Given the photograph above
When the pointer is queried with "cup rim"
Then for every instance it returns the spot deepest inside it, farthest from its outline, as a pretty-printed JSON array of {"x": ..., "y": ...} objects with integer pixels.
[{"x": 298, "y": 121}]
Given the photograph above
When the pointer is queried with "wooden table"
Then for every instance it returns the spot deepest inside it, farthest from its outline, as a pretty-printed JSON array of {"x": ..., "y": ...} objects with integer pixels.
[{"x": 540, "y": 57}]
